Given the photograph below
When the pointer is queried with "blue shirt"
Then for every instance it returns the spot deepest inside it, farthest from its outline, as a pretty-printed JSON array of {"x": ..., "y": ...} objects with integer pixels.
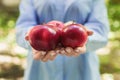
[{"x": 91, "y": 13}]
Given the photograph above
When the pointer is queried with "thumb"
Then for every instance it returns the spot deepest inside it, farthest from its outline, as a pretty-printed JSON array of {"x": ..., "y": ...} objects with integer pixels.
[
  {"x": 89, "y": 32},
  {"x": 27, "y": 34},
  {"x": 27, "y": 37}
]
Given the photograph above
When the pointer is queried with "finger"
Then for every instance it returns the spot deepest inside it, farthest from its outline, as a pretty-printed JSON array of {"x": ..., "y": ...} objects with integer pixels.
[
  {"x": 80, "y": 50},
  {"x": 27, "y": 34},
  {"x": 34, "y": 51},
  {"x": 75, "y": 54},
  {"x": 53, "y": 56},
  {"x": 62, "y": 51},
  {"x": 47, "y": 56},
  {"x": 89, "y": 32},
  {"x": 39, "y": 55},
  {"x": 68, "y": 23},
  {"x": 57, "y": 50},
  {"x": 43, "y": 54},
  {"x": 27, "y": 37},
  {"x": 69, "y": 51}
]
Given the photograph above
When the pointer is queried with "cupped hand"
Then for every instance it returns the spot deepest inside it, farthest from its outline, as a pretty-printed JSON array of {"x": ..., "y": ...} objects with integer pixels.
[
  {"x": 42, "y": 55},
  {"x": 68, "y": 51}
]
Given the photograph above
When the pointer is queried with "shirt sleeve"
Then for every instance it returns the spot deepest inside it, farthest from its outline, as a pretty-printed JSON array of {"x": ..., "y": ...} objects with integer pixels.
[
  {"x": 98, "y": 23},
  {"x": 26, "y": 20}
]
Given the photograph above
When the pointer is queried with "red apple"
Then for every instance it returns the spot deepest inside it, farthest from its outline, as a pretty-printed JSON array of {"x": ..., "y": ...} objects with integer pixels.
[
  {"x": 42, "y": 37},
  {"x": 74, "y": 35}
]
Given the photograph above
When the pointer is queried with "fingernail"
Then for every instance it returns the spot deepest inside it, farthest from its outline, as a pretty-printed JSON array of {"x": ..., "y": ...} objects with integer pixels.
[
  {"x": 68, "y": 49},
  {"x": 43, "y": 53},
  {"x": 62, "y": 52},
  {"x": 52, "y": 54},
  {"x": 78, "y": 49},
  {"x": 57, "y": 51}
]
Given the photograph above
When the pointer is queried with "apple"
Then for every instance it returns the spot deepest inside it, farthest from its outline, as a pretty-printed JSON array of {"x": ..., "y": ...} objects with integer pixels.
[
  {"x": 74, "y": 35},
  {"x": 43, "y": 37},
  {"x": 56, "y": 24}
]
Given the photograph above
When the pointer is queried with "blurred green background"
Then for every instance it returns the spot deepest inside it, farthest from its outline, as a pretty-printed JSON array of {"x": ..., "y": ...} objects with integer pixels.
[{"x": 12, "y": 57}]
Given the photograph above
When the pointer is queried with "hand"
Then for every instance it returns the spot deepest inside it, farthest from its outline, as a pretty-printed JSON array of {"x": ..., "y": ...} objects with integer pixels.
[
  {"x": 42, "y": 55},
  {"x": 68, "y": 51}
]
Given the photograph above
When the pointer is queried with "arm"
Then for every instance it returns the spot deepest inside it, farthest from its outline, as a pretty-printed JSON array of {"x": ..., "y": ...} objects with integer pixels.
[
  {"x": 26, "y": 20},
  {"x": 98, "y": 23}
]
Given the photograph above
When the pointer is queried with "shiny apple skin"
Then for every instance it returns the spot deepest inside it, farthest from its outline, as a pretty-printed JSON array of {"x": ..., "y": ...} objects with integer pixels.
[
  {"x": 74, "y": 35},
  {"x": 56, "y": 24},
  {"x": 43, "y": 38}
]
